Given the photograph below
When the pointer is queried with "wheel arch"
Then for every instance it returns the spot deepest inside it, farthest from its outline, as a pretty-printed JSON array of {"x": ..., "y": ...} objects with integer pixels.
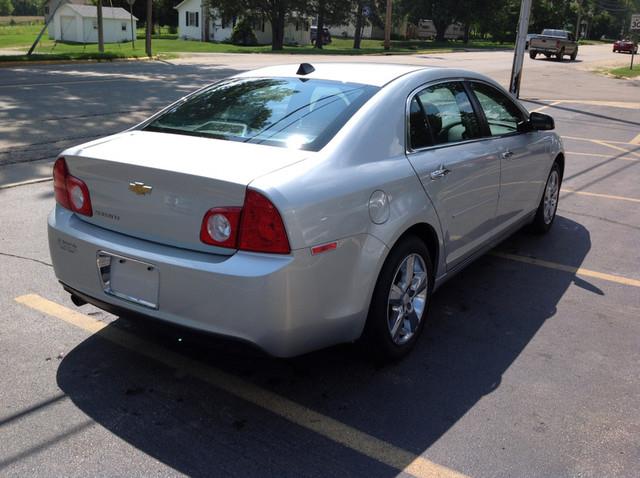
[{"x": 427, "y": 233}]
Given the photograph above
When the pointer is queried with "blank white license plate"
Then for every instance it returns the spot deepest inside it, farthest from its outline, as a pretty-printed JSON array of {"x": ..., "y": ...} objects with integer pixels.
[{"x": 129, "y": 279}]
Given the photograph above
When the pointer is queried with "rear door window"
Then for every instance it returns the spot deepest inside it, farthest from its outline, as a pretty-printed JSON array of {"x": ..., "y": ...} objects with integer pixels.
[{"x": 449, "y": 113}]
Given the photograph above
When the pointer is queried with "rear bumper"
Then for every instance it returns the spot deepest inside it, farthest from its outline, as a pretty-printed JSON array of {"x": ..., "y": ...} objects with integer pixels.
[
  {"x": 547, "y": 51},
  {"x": 285, "y": 305}
]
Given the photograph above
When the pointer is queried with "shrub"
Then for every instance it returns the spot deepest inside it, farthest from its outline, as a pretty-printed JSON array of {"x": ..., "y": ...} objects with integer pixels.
[{"x": 243, "y": 34}]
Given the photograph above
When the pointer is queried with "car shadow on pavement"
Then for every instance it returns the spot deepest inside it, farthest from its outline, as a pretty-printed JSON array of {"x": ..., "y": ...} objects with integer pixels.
[{"x": 480, "y": 323}]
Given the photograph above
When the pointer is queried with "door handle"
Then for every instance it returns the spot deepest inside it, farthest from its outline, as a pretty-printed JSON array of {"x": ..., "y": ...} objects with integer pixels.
[
  {"x": 439, "y": 173},
  {"x": 507, "y": 154}
]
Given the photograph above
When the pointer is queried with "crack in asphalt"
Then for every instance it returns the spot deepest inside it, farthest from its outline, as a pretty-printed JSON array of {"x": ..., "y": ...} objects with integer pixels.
[{"x": 6, "y": 254}]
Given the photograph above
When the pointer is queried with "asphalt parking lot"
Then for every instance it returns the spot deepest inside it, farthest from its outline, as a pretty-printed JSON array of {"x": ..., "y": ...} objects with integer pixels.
[{"x": 529, "y": 364}]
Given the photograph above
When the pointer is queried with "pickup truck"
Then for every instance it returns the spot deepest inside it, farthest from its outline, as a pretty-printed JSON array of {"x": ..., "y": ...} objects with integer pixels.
[{"x": 557, "y": 43}]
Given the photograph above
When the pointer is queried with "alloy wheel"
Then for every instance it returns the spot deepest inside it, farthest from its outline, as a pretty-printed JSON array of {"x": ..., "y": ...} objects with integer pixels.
[
  {"x": 407, "y": 298},
  {"x": 551, "y": 194}
]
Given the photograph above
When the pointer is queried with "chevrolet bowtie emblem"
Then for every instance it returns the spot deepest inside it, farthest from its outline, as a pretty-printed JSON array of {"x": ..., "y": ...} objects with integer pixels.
[{"x": 140, "y": 188}]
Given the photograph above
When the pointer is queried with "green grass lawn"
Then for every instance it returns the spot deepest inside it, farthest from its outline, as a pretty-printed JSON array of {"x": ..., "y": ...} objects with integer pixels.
[
  {"x": 22, "y": 36},
  {"x": 625, "y": 72}
]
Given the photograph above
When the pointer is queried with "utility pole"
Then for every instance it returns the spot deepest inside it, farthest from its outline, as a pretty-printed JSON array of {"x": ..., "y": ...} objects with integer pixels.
[
  {"x": 149, "y": 27},
  {"x": 387, "y": 27},
  {"x": 518, "y": 54},
  {"x": 133, "y": 31},
  {"x": 100, "y": 29},
  {"x": 579, "y": 20}
]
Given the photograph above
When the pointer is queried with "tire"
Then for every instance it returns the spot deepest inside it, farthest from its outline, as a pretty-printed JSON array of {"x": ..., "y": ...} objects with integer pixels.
[
  {"x": 544, "y": 217},
  {"x": 574, "y": 55},
  {"x": 560, "y": 55},
  {"x": 383, "y": 315},
  {"x": 533, "y": 54}
]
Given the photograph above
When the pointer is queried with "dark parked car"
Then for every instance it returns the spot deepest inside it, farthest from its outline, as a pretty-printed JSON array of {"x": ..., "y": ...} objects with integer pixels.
[
  {"x": 326, "y": 38},
  {"x": 625, "y": 45}
]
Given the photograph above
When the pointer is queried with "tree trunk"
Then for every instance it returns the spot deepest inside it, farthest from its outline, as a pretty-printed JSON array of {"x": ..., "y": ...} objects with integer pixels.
[
  {"x": 277, "y": 27},
  {"x": 357, "y": 37},
  {"x": 467, "y": 31},
  {"x": 441, "y": 28},
  {"x": 149, "y": 27},
  {"x": 205, "y": 21},
  {"x": 320, "y": 25}
]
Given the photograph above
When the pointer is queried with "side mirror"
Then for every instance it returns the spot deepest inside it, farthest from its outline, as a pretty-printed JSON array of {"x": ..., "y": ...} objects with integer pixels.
[{"x": 541, "y": 122}]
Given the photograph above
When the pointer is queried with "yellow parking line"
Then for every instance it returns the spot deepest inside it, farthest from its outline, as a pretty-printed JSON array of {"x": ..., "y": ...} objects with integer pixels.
[
  {"x": 632, "y": 105},
  {"x": 636, "y": 140},
  {"x": 598, "y": 195},
  {"x": 596, "y": 155},
  {"x": 617, "y": 148},
  {"x": 538, "y": 110},
  {"x": 574, "y": 270},
  {"x": 368, "y": 445},
  {"x": 591, "y": 140}
]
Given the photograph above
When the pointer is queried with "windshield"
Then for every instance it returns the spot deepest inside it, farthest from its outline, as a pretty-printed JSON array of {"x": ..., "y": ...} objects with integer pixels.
[{"x": 286, "y": 112}]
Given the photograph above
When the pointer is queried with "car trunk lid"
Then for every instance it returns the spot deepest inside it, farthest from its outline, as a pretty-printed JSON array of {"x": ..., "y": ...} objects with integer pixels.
[{"x": 158, "y": 186}]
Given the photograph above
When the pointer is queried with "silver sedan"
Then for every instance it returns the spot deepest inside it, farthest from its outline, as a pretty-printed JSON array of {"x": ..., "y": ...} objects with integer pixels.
[{"x": 300, "y": 206}]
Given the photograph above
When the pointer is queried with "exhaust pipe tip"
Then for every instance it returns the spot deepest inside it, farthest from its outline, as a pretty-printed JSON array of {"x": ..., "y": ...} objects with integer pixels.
[{"x": 77, "y": 301}]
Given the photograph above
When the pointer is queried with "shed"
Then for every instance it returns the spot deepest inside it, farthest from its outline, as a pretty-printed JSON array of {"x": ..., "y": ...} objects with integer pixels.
[{"x": 79, "y": 24}]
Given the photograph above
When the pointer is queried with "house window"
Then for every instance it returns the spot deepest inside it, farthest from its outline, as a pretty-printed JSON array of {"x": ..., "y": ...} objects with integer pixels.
[
  {"x": 192, "y": 19},
  {"x": 124, "y": 27},
  {"x": 94, "y": 24}
]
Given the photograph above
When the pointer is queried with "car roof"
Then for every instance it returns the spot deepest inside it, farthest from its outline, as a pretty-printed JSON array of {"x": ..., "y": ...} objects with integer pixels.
[{"x": 375, "y": 74}]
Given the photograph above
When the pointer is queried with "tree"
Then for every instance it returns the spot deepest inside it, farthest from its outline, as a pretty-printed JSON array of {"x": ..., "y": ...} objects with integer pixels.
[
  {"x": 276, "y": 11},
  {"x": 6, "y": 7},
  {"x": 328, "y": 12}
]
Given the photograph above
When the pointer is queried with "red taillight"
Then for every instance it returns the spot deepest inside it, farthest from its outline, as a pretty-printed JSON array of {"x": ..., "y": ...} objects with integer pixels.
[
  {"x": 70, "y": 192},
  {"x": 261, "y": 227},
  {"x": 60, "y": 174},
  {"x": 255, "y": 227}
]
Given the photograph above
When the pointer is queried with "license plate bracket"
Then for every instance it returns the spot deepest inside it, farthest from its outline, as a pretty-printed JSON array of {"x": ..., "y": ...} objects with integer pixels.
[{"x": 129, "y": 279}]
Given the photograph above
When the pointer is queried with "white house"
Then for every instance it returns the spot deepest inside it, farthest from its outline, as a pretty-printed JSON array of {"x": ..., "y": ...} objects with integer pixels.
[
  {"x": 190, "y": 26},
  {"x": 348, "y": 30},
  {"x": 79, "y": 24}
]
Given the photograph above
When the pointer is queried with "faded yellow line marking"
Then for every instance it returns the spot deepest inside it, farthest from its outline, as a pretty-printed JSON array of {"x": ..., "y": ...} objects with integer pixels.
[
  {"x": 598, "y": 195},
  {"x": 542, "y": 108},
  {"x": 350, "y": 437},
  {"x": 573, "y": 270},
  {"x": 591, "y": 140},
  {"x": 632, "y": 105},
  {"x": 636, "y": 140},
  {"x": 597, "y": 155},
  {"x": 617, "y": 148}
]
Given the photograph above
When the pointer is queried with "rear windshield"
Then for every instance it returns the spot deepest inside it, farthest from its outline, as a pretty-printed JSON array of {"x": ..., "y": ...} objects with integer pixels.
[
  {"x": 555, "y": 33},
  {"x": 286, "y": 112}
]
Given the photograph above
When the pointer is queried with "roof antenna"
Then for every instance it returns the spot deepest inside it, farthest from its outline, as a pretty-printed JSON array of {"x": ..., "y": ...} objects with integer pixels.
[{"x": 305, "y": 69}]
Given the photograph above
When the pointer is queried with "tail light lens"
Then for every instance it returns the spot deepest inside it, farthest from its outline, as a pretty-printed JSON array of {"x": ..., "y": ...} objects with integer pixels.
[
  {"x": 261, "y": 227},
  {"x": 70, "y": 192},
  {"x": 257, "y": 226}
]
